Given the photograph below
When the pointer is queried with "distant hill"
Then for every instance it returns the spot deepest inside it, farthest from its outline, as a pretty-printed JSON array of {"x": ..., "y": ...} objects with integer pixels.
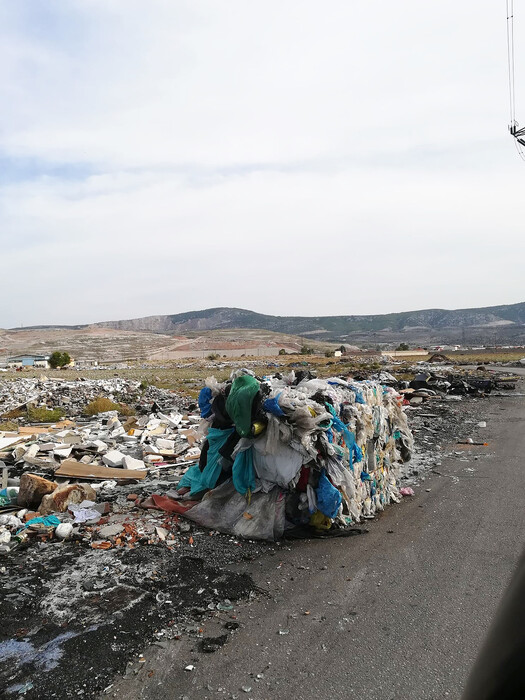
[
  {"x": 472, "y": 325},
  {"x": 488, "y": 325}
]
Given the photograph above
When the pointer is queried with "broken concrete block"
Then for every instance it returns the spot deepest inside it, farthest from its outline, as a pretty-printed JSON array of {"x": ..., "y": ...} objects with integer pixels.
[
  {"x": 113, "y": 458},
  {"x": 174, "y": 419},
  {"x": 164, "y": 444},
  {"x": 110, "y": 530},
  {"x": 47, "y": 446},
  {"x": 31, "y": 450},
  {"x": 32, "y": 489},
  {"x": 100, "y": 445},
  {"x": 130, "y": 463},
  {"x": 62, "y": 451},
  {"x": 63, "y": 496},
  {"x": 72, "y": 439},
  {"x": 103, "y": 508}
]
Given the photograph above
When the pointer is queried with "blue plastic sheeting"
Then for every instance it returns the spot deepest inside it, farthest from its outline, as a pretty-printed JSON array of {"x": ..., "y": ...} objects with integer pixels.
[
  {"x": 197, "y": 480},
  {"x": 243, "y": 471},
  {"x": 356, "y": 453},
  {"x": 328, "y": 497},
  {"x": 272, "y": 406},
  {"x": 48, "y": 521},
  {"x": 205, "y": 396},
  {"x": 358, "y": 395}
]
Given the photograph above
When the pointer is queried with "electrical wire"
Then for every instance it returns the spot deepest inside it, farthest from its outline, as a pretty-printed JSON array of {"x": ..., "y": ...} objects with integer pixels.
[
  {"x": 520, "y": 149},
  {"x": 510, "y": 60}
]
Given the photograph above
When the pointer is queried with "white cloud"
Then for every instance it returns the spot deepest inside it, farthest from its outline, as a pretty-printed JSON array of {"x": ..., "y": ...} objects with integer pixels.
[{"x": 291, "y": 157}]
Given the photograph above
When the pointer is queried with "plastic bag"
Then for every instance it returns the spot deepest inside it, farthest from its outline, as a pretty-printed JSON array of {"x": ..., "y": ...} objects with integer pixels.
[
  {"x": 328, "y": 497},
  {"x": 239, "y": 402},
  {"x": 243, "y": 472},
  {"x": 198, "y": 481},
  {"x": 226, "y": 510}
]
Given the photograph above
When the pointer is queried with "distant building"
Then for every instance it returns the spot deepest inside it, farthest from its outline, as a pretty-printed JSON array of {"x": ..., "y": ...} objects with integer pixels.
[{"x": 40, "y": 361}]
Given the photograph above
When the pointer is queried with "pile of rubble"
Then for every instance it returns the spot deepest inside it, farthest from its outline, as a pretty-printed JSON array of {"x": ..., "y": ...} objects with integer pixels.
[
  {"x": 431, "y": 383},
  {"x": 41, "y": 464},
  {"x": 73, "y": 396},
  {"x": 294, "y": 454}
]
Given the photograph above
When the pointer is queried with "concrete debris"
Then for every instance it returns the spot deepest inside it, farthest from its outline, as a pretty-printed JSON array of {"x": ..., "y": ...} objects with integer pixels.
[
  {"x": 73, "y": 396},
  {"x": 129, "y": 462},
  {"x": 113, "y": 458}
]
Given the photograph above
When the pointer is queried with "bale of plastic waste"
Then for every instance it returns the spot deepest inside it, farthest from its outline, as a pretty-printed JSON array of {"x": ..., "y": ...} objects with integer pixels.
[{"x": 292, "y": 451}]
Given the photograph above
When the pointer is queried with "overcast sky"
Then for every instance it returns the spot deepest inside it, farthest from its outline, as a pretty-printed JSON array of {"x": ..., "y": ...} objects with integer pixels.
[{"x": 286, "y": 156}]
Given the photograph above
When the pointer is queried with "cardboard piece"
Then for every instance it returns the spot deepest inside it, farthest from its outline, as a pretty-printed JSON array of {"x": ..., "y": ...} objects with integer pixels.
[
  {"x": 33, "y": 430},
  {"x": 77, "y": 470}
]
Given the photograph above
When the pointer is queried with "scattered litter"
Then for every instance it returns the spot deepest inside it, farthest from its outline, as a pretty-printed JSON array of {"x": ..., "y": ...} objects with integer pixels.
[{"x": 407, "y": 491}]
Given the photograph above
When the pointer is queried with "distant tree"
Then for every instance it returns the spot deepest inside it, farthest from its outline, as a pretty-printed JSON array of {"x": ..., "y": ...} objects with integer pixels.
[
  {"x": 329, "y": 353},
  {"x": 282, "y": 351},
  {"x": 59, "y": 359},
  {"x": 402, "y": 346},
  {"x": 305, "y": 350}
]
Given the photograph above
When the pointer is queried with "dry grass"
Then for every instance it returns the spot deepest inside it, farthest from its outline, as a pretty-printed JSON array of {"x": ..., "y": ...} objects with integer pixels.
[
  {"x": 480, "y": 357},
  {"x": 41, "y": 414},
  {"x": 102, "y": 405}
]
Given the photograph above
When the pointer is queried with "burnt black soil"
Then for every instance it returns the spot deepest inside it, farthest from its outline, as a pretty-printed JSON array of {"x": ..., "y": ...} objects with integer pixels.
[
  {"x": 150, "y": 594},
  {"x": 72, "y": 617}
]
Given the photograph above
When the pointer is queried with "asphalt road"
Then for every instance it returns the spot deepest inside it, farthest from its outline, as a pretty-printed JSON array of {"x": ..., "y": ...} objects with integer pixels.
[{"x": 398, "y": 613}]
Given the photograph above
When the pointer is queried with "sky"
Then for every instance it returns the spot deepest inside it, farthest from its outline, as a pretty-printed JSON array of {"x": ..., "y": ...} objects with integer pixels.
[{"x": 293, "y": 157}]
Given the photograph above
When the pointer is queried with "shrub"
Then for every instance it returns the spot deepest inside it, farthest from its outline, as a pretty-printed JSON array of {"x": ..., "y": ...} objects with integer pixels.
[
  {"x": 41, "y": 414},
  {"x": 14, "y": 413},
  {"x": 100, "y": 405},
  {"x": 125, "y": 410},
  {"x": 103, "y": 404},
  {"x": 282, "y": 351},
  {"x": 213, "y": 356}
]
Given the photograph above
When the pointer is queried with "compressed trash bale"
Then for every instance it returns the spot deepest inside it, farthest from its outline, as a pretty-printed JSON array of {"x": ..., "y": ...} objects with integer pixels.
[
  {"x": 63, "y": 496},
  {"x": 332, "y": 447},
  {"x": 32, "y": 489}
]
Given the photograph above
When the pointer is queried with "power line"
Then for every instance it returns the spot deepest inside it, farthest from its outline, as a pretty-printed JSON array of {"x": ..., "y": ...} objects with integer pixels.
[{"x": 510, "y": 60}]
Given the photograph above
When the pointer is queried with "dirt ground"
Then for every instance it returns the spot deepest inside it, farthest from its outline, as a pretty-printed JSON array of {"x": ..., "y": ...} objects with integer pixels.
[{"x": 75, "y": 620}]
